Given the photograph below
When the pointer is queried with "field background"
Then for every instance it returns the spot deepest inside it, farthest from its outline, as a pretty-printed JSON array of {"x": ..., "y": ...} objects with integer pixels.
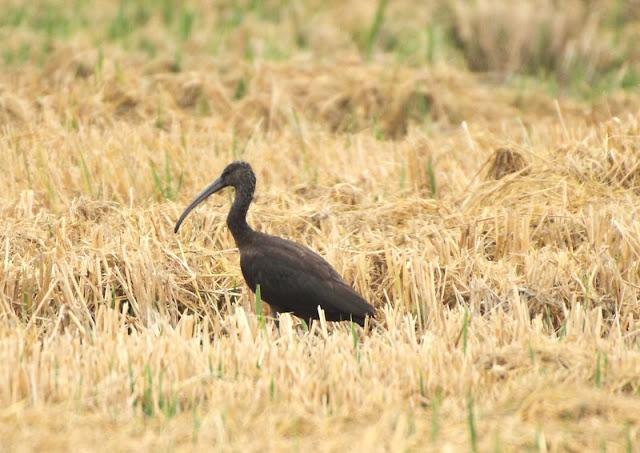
[{"x": 472, "y": 167}]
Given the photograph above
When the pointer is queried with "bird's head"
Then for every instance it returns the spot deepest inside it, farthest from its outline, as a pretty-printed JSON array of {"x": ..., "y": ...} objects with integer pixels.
[{"x": 237, "y": 174}]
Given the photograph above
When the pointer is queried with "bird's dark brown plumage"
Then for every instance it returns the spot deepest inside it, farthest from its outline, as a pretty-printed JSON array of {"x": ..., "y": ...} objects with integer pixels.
[{"x": 292, "y": 278}]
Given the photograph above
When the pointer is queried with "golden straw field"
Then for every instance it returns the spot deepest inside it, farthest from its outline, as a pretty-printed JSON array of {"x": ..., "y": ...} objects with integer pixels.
[{"x": 472, "y": 168}]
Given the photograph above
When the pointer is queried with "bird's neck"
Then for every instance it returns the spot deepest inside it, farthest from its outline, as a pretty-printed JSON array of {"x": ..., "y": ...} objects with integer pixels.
[{"x": 237, "y": 218}]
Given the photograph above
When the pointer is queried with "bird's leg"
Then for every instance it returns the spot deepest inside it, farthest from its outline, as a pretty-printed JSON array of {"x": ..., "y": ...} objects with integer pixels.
[
  {"x": 309, "y": 322},
  {"x": 275, "y": 313}
]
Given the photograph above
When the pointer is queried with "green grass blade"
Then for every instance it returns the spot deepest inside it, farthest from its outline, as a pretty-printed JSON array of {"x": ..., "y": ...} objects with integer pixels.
[
  {"x": 471, "y": 421},
  {"x": 260, "y": 316},
  {"x": 374, "y": 29}
]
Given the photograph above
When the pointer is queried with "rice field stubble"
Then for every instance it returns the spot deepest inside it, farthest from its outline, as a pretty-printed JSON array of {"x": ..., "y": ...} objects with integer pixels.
[{"x": 494, "y": 228}]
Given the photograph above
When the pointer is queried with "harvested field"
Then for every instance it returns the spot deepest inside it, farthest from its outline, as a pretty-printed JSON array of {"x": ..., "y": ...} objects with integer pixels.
[{"x": 484, "y": 197}]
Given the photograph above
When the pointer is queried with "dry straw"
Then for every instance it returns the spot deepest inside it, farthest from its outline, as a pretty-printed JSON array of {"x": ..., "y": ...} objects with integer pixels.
[{"x": 503, "y": 258}]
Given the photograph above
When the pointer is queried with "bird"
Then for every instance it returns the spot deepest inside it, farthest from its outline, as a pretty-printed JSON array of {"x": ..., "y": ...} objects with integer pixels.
[{"x": 292, "y": 278}]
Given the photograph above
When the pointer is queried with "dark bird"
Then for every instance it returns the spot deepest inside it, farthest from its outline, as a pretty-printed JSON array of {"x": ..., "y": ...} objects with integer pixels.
[{"x": 292, "y": 278}]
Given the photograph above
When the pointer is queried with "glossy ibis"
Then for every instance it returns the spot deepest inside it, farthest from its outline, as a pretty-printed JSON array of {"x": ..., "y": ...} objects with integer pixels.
[{"x": 292, "y": 278}]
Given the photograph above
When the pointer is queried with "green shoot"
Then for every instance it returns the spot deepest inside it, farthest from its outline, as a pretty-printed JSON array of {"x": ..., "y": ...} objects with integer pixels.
[
  {"x": 598, "y": 372},
  {"x": 166, "y": 184},
  {"x": 147, "y": 396},
  {"x": 431, "y": 43},
  {"x": 241, "y": 89},
  {"x": 168, "y": 7},
  {"x": 374, "y": 29},
  {"x": 465, "y": 330},
  {"x": 186, "y": 24},
  {"x": 132, "y": 384},
  {"x": 471, "y": 421},
  {"x": 356, "y": 342},
  {"x": 260, "y": 316},
  {"x": 432, "y": 178},
  {"x": 86, "y": 174},
  {"x": 196, "y": 425},
  {"x": 532, "y": 355}
]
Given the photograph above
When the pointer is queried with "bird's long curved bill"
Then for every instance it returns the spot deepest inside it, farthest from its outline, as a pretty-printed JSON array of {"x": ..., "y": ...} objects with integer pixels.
[{"x": 215, "y": 186}]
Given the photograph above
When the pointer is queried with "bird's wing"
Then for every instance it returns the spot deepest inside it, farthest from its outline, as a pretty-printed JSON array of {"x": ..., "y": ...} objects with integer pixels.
[{"x": 298, "y": 280}]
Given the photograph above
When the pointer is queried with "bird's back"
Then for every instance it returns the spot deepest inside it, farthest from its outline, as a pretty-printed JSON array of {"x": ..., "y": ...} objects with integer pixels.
[{"x": 295, "y": 279}]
